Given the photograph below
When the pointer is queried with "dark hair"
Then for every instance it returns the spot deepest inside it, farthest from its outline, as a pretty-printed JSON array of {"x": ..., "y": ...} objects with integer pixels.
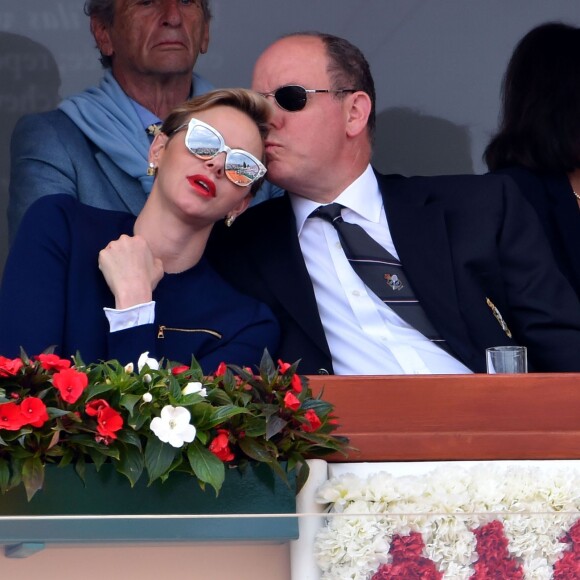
[
  {"x": 104, "y": 10},
  {"x": 254, "y": 105},
  {"x": 348, "y": 69},
  {"x": 540, "y": 118}
]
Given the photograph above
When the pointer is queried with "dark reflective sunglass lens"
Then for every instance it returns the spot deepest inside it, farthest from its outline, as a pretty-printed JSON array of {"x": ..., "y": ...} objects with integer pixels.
[{"x": 291, "y": 98}]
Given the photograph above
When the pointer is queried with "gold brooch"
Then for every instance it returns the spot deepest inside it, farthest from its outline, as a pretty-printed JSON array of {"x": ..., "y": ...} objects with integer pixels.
[{"x": 499, "y": 317}]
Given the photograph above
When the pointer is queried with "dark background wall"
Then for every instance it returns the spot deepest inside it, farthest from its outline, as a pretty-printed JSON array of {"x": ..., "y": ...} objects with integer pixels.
[{"x": 437, "y": 64}]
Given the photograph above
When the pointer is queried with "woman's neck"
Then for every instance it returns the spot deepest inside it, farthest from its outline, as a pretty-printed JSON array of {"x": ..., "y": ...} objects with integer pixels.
[{"x": 177, "y": 244}]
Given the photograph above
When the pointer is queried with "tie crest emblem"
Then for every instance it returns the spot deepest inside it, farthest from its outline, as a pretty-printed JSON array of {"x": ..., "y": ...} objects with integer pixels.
[{"x": 394, "y": 282}]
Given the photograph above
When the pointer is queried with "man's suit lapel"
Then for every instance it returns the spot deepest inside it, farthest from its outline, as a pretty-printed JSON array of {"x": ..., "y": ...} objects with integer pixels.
[
  {"x": 282, "y": 266},
  {"x": 419, "y": 231}
]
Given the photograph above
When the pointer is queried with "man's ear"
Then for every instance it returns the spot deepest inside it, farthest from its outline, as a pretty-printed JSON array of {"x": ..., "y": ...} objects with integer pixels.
[
  {"x": 358, "y": 111},
  {"x": 102, "y": 37},
  {"x": 204, "y": 39}
]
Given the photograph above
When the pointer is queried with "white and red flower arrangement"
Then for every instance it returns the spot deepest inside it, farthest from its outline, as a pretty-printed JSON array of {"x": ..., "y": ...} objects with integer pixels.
[
  {"x": 160, "y": 418},
  {"x": 482, "y": 522}
]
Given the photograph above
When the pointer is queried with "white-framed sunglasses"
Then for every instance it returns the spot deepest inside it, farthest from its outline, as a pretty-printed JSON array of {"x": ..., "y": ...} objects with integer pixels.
[{"x": 205, "y": 142}]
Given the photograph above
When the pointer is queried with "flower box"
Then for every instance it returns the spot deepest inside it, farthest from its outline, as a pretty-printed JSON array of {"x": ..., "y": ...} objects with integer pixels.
[{"x": 107, "y": 509}]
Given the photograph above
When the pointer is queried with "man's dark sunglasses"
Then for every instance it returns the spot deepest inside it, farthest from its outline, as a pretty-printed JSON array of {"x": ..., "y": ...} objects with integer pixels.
[{"x": 293, "y": 97}]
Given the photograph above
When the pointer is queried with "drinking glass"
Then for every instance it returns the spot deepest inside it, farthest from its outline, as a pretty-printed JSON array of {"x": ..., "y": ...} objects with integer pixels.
[{"x": 507, "y": 359}]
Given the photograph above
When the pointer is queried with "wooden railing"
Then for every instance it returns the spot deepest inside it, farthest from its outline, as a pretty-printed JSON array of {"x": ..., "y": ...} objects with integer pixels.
[{"x": 447, "y": 417}]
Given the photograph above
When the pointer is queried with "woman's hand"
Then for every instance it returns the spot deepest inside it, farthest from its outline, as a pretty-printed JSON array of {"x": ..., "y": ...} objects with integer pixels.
[{"x": 131, "y": 270}]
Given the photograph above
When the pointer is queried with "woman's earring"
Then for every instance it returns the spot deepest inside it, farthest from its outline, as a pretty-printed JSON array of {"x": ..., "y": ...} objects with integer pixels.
[
  {"x": 152, "y": 169},
  {"x": 230, "y": 220}
]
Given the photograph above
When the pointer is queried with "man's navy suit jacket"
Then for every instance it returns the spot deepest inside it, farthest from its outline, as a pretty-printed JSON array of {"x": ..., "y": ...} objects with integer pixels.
[{"x": 473, "y": 251}]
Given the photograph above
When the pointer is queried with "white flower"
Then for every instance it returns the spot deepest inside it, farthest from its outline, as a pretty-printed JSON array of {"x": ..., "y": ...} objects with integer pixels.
[
  {"x": 191, "y": 388},
  {"x": 536, "y": 506},
  {"x": 129, "y": 368},
  {"x": 147, "y": 397},
  {"x": 145, "y": 360},
  {"x": 173, "y": 426}
]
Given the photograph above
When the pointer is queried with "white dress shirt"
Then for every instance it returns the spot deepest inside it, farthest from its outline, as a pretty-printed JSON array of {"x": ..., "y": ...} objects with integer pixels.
[{"x": 364, "y": 335}]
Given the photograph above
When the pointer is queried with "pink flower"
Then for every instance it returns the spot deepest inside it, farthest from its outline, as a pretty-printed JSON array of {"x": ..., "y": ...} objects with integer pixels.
[{"x": 70, "y": 384}]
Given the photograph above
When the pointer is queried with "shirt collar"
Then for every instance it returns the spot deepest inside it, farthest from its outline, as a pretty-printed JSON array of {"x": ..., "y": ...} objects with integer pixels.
[
  {"x": 145, "y": 115},
  {"x": 362, "y": 196}
]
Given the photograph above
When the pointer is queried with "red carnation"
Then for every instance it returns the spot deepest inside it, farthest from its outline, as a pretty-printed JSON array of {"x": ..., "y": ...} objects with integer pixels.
[
  {"x": 221, "y": 370},
  {"x": 70, "y": 384},
  {"x": 179, "y": 369}
]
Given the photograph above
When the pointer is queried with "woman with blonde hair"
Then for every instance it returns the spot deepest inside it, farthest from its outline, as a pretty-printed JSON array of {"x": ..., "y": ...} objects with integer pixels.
[{"x": 109, "y": 285}]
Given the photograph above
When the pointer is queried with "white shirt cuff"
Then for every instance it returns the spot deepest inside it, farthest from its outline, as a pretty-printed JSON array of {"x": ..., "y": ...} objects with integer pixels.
[{"x": 129, "y": 317}]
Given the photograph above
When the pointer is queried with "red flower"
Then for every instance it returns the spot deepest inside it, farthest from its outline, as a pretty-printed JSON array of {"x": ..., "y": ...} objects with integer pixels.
[
  {"x": 52, "y": 362},
  {"x": 9, "y": 367},
  {"x": 284, "y": 366},
  {"x": 71, "y": 384},
  {"x": 34, "y": 411},
  {"x": 314, "y": 422},
  {"x": 179, "y": 369},
  {"x": 568, "y": 566},
  {"x": 109, "y": 421},
  {"x": 94, "y": 407},
  {"x": 408, "y": 563},
  {"x": 291, "y": 401},
  {"x": 11, "y": 418},
  {"x": 220, "y": 445},
  {"x": 221, "y": 370},
  {"x": 296, "y": 384},
  {"x": 492, "y": 549}
]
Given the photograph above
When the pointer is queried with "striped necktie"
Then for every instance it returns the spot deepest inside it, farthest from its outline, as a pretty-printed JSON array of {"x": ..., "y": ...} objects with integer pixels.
[{"x": 380, "y": 271}]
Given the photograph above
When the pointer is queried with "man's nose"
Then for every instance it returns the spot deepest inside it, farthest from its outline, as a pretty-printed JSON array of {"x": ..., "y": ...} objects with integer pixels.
[{"x": 171, "y": 12}]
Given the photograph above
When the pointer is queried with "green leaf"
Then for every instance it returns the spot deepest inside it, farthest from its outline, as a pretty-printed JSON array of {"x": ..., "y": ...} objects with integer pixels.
[
  {"x": 93, "y": 390},
  {"x": 129, "y": 401},
  {"x": 222, "y": 414},
  {"x": 263, "y": 451},
  {"x": 302, "y": 472},
  {"x": 206, "y": 466},
  {"x": 274, "y": 425},
  {"x": 4, "y": 475},
  {"x": 130, "y": 463},
  {"x": 158, "y": 457},
  {"x": 32, "y": 476}
]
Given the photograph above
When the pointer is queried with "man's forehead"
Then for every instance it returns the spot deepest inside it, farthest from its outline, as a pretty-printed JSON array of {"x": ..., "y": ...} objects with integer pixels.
[{"x": 290, "y": 61}]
